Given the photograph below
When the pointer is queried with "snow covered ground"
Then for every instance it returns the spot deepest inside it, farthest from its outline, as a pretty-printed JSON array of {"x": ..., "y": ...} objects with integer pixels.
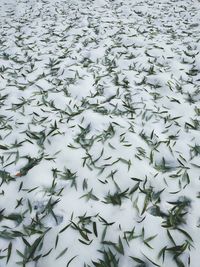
[{"x": 99, "y": 133}]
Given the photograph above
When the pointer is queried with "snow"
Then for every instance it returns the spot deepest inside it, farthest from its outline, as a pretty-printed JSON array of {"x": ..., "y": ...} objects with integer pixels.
[{"x": 99, "y": 133}]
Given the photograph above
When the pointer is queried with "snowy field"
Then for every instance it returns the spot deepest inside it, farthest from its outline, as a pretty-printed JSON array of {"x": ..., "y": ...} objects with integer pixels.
[{"x": 99, "y": 133}]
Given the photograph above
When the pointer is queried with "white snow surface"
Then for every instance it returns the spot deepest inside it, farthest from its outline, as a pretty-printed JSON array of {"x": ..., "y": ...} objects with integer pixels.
[{"x": 100, "y": 132}]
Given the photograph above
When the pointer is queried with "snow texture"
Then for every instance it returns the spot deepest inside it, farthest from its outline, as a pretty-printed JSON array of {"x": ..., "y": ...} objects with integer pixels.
[{"x": 99, "y": 133}]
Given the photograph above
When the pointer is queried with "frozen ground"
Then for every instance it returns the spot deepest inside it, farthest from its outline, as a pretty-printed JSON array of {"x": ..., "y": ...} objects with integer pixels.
[{"x": 99, "y": 133}]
